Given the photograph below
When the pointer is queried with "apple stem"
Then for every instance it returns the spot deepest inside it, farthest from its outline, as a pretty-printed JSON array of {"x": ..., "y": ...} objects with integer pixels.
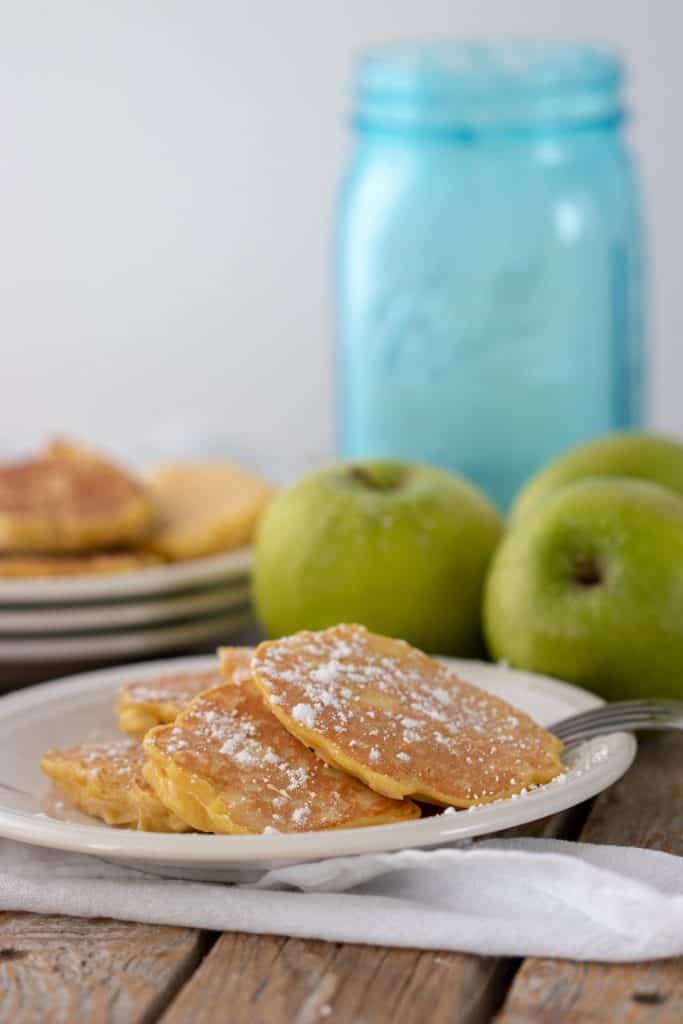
[{"x": 377, "y": 481}]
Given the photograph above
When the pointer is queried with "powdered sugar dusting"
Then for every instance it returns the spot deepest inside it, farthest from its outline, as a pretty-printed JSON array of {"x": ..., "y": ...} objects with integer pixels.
[
  {"x": 177, "y": 688},
  {"x": 300, "y": 815},
  {"x": 304, "y": 714},
  {"x": 403, "y": 714},
  {"x": 265, "y": 776},
  {"x": 116, "y": 763},
  {"x": 578, "y": 762},
  {"x": 327, "y": 673}
]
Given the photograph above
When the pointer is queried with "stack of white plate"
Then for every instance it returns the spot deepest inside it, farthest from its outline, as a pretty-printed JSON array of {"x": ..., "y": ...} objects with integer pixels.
[{"x": 49, "y": 624}]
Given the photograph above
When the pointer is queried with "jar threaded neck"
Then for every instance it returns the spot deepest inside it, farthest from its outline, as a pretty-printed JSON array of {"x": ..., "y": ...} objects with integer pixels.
[{"x": 487, "y": 86}]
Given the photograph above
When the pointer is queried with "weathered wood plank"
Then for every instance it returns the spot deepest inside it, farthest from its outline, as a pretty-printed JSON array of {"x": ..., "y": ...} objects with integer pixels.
[
  {"x": 278, "y": 981},
  {"x": 268, "y": 980},
  {"x": 644, "y": 809},
  {"x": 60, "y": 970},
  {"x": 560, "y": 992}
]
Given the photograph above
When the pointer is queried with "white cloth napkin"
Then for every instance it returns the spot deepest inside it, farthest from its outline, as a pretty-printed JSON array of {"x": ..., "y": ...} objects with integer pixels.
[{"x": 509, "y": 897}]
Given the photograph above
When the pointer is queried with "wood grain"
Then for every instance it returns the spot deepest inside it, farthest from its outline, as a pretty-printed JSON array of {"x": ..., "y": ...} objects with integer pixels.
[
  {"x": 644, "y": 809},
  {"x": 64, "y": 970},
  {"x": 560, "y": 992},
  {"x": 269, "y": 980}
]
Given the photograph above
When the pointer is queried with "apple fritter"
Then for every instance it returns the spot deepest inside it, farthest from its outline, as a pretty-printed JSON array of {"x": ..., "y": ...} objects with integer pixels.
[
  {"x": 228, "y": 766},
  {"x": 399, "y": 720},
  {"x": 69, "y": 499},
  {"x": 205, "y": 508},
  {"x": 235, "y": 664},
  {"x": 159, "y": 699},
  {"x": 105, "y": 780},
  {"x": 96, "y": 563}
]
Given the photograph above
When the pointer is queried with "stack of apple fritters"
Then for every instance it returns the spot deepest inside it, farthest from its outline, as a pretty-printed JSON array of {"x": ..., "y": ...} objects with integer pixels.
[
  {"x": 71, "y": 511},
  {"x": 336, "y": 729}
]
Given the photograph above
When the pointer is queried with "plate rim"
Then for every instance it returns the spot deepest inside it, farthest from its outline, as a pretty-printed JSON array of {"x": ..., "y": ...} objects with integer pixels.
[
  {"x": 162, "y": 636},
  {"x": 160, "y": 580},
  {"x": 37, "y": 624},
  {"x": 258, "y": 850}
]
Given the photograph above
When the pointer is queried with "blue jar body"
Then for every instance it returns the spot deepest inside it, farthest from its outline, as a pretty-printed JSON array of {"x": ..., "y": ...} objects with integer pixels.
[{"x": 489, "y": 289}]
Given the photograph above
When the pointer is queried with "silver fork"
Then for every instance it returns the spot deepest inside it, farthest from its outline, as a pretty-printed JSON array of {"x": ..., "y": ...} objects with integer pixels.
[{"x": 622, "y": 716}]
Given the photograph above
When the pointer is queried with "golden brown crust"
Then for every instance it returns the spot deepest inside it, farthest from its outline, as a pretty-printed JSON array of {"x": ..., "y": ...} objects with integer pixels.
[
  {"x": 98, "y": 563},
  {"x": 401, "y": 721},
  {"x": 205, "y": 508},
  {"x": 105, "y": 780},
  {"x": 69, "y": 499},
  {"x": 227, "y": 766},
  {"x": 235, "y": 664},
  {"x": 158, "y": 700}
]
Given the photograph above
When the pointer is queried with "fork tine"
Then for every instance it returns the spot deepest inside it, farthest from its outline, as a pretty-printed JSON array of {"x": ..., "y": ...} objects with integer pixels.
[
  {"x": 609, "y": 723},
  {"x": 659, "y": 709},
  {"x": 568, "y": 737},
  {"x": 624, "y": 716},
  {"x": 648, "y": 706},
  {"x": 587, "y": 734},
  {"x": 612, "y": 716},
  {"x": 612, "y": 727},
  {"x": 617, "y": 715}
]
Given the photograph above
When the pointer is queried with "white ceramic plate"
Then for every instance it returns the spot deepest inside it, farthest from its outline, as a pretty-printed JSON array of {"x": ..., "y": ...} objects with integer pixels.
[
  {"x": 117, "y": 615},
  {"x": 214, "y": 628},
  {"x": 66, "y": 711},
  {"x": 156, "y": 579}
]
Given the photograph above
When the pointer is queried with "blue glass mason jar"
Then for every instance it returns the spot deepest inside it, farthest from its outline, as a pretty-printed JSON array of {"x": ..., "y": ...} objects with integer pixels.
[{"x": 489, "y": 268}]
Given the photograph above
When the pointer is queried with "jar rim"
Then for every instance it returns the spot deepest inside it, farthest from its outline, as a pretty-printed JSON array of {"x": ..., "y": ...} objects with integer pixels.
[{"x": 472, "y": 82}]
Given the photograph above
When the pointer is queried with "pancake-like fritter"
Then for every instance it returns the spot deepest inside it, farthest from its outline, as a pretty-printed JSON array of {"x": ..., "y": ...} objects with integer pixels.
[
  {"x": 69, "y": 499},
  {"x": 105, "y": 780},
  {"x": 33, "y": 566},
  {"x": 228, "y": 766},
  {"x": 205, "y": 508},
  {"x": 158, "y": 700},
  {"x": 235, "y": 664},
  {"x": 402, "y": 722}
]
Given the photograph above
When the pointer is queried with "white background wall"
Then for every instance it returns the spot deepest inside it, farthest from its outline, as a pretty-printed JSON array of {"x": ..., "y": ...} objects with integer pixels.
[{"x": 167, "y": 177}]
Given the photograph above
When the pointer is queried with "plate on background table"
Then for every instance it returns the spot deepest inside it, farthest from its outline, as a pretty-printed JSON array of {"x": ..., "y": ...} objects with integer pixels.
[
  {"x": 215, "y": 628},
  {"x": 93, "y": 616},
  {"x": 73, "y": 709},
  {"x": 154, "y": 580},
  {"x": 73, "y": 623}
]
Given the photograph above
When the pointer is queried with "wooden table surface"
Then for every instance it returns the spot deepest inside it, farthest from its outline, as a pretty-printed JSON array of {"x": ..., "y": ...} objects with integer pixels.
[{"x": 59, "y": 969}]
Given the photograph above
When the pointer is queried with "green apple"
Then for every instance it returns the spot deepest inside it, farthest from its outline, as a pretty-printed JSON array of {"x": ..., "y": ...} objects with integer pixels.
[
  {"x": 589, "y": 587},
  {"x": 632, "y": 454},
  {"x": 401, "y": 548}
]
